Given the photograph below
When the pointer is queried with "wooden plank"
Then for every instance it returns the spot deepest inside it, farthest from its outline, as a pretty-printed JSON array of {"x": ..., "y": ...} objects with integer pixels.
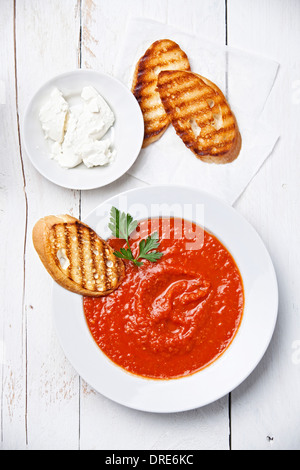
[
  {"x": 266, "y": 408},
  {"x": 13, "y": 226},
  {"x": 104, "y": 424},
  {"x": 47, "y": 35}
]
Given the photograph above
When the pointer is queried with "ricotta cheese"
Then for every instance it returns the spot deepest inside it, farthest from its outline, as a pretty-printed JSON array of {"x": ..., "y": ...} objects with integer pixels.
[
  {"x": 79, "y": 140},
  {"x": 96, "y": 112},
  {"x": 53, "y": 115}
]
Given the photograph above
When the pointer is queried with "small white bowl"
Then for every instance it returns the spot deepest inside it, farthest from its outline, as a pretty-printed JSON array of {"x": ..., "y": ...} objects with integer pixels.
[{"x": 127, "y": 132}]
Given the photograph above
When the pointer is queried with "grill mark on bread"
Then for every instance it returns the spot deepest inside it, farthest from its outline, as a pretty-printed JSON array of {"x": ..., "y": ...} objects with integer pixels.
[
  {"x": 189, "y": 100},
  {"x": 140, "y": 90},
  {"x": 104, "y": 279},
  {"x": 93, "y": 255},
  {"x": 192, "y": 97},
  {"x": 151, "y": 108},
  {"x": 81, "y": 251},
  {"x": 159, "y": 115},
  {"x": 194, "y": 110},
  {"x": 89, "y": 248},
  {"x": 86, "y": 254},
  {"x": 220, "y": 132},
  {"x": 76, "y": 272},
  {"x": 155, "y": 132},
  {"x": 68, "y": 251},
  {"x": 159, "y": 124}
]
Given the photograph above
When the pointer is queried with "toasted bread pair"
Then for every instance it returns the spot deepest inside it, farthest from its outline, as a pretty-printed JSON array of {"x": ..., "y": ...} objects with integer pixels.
[
  {"x": 168, "y": 91},
  {"x": 76, "y": 257}
]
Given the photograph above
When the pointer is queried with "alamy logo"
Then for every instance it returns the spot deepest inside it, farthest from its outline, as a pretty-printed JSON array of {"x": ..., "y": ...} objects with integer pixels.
[{"x": 176, "y": 212}]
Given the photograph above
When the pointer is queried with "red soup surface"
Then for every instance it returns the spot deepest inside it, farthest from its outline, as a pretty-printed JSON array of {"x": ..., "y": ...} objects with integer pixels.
[{"x": 174, "y": 317}]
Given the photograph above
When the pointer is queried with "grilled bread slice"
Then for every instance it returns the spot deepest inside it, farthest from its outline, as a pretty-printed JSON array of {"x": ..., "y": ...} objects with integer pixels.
[
  {"x": 200, "y": 115},
  {"x": 76, "y": 257},
  {"x": 161, "y": 55}
]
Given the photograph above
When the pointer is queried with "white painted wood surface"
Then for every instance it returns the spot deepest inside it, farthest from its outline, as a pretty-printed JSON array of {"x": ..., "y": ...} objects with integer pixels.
[{"x": 44, "y": 404}]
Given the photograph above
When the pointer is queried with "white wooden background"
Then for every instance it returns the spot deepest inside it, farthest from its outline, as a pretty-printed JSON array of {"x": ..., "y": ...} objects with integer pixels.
[{"x": 44, "y": 404}]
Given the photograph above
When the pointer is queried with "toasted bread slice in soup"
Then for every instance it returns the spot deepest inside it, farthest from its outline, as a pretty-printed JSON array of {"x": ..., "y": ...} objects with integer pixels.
[
  {"x": 76, "y": 257},
  {"x": 200, "y": 115},
  {"x": 161, "y": 55}
]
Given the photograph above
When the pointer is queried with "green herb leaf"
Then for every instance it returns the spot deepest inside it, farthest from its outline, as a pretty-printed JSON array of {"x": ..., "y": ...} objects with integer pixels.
[
  {"x": 146, "y": 246},
  {"x": 122, "y": 226},
  {"x": 153, "y": 257},
  {"x": 114, "y": 222},
  {"x": 124, "y": 253}
]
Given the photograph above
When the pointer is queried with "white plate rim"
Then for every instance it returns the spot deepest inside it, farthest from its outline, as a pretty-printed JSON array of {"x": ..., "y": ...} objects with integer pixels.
[
  {"x": 182, "y": 403},
  {"x": 138, "y": 137}
]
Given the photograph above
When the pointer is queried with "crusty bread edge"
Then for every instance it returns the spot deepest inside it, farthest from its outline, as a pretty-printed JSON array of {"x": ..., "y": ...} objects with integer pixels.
[
  {"x": 154, "y": 137},
  {"x": 40, "y": 241}
]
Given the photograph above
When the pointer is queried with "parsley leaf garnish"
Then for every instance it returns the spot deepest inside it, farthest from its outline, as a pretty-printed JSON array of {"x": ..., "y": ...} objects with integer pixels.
[
  {"x": 122, "y": 226},
  {"x": 146, "y": 247}
]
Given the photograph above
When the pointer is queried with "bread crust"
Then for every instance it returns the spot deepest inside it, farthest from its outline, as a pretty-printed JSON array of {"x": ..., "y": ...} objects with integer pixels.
[{"x": 44, "y": 245}]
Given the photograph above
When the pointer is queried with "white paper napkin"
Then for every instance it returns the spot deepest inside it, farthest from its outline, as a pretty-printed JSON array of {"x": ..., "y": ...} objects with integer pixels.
[{"x": 245, "y": 79}]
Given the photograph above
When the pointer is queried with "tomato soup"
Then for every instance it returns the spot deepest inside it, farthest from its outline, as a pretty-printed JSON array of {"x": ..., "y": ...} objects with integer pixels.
[{"x": 174, "y": 317}]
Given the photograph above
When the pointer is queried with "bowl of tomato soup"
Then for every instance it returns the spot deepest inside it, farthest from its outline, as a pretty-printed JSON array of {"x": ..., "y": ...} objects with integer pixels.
[
  {"x": 184, "y": 331},
  {"x": 174, "y": 317}
]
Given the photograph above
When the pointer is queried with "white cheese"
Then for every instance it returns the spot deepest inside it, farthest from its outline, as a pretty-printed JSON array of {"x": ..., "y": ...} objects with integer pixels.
[
  {"x": 96, "y": 112},
  {"x": 85, "y": 125},
  {"x": 63, "y": 259},
  {"x": 53, "y": 116},
  {"x": 218, "y": 121},
  {"x": 97, "y": 153},
  {"x": 195, "y": 128}
]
